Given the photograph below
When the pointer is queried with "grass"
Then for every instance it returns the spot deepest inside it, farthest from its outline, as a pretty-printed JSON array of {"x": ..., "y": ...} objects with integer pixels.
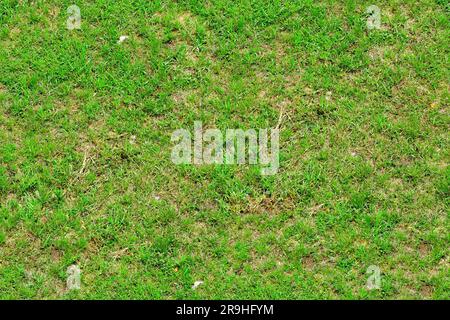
[{"x": 85, "y": 170}]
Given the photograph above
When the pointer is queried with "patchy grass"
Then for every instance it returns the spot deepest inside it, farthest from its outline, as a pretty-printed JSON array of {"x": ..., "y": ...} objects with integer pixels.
[{"x": 85, "y": 170}]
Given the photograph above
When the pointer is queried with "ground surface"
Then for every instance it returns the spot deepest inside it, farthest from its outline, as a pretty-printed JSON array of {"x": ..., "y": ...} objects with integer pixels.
[{"x": 85, "y": 170}]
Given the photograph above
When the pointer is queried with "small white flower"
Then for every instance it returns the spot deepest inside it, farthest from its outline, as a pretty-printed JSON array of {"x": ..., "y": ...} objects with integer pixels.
[
  {"x": 196, "y": 284},
  {"x": 122, "y": 39}
]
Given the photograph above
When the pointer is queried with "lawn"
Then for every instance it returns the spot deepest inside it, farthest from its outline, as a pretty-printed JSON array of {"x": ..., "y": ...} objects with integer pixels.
[{"x": 86, "y": 176}]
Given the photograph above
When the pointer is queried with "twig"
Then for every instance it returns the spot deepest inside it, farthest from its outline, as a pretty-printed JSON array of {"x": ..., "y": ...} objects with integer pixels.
[
  {"x": 280, "y": 118},
  {"x": 84, "y": 163}
]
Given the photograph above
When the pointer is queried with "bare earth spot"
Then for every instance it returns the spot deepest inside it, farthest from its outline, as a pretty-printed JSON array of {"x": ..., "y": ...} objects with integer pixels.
[
  {"x": 11, "y": 196},
  {"x": 119, "y": 253},
  {"x": 183, "y": 17},
  {"x": 376, "y": 53},
  {"x": 56, "y": 254},
  {"x": 180, "y": 97},
  {"x": 426, "y": 291},
  {"x": 423, "y": 249},
  {"x": 14, "y": 32},
  {"x": 308, "y": 262},
  {"x": 2, "y": 89}
]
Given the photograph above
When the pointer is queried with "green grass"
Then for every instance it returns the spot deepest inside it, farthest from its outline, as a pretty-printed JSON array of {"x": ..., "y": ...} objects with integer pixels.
[{"x": 85, "y": 126}]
